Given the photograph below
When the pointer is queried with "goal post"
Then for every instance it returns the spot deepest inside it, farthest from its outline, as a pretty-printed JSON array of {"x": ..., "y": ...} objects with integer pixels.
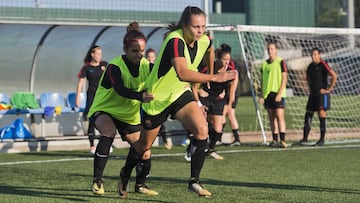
[{"x": 340, "y": 48}]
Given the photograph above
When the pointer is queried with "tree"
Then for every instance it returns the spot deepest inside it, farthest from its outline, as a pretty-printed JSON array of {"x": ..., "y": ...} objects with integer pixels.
[{"x": 330, "y": 13}]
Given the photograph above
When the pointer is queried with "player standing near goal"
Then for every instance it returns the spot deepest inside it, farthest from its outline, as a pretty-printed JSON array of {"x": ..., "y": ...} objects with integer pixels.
[
  {"x": 181, "y": 53},
  {"x": 274, "y": 79},
  {"x": 117, "y": 107},
  {"x": 319, "y": 99}
]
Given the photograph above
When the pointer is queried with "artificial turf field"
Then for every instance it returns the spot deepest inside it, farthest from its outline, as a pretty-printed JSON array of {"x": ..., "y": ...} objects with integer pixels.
[{"x": 248, "y": 174}]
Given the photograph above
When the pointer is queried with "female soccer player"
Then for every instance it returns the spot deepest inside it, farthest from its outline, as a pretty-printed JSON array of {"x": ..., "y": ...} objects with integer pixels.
[
  {"x": 274, "y": 79},
  {"x": 92, "y": 71},
  {"x": 317, "y": 77},
  {"x": 117, "y": 106},
  {"x": 216, "y": 98},
  {"x": 181, "y": 53}
]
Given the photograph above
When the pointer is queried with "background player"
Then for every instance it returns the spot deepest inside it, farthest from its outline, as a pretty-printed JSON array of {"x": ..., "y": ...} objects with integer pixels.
[{"x": 319, "y": 98}]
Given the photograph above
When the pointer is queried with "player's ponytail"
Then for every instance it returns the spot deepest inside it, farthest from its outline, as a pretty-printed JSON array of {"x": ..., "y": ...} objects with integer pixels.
[
  {"x": 186, "y": 17},
  {"x": 133, "y": 33}
]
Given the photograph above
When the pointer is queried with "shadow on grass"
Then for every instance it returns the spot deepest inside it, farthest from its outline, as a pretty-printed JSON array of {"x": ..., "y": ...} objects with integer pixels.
[
  {"x": 61, "y": 194},
  {"x": 172, "y": 180},
  {"x": 281, "y": 186}
]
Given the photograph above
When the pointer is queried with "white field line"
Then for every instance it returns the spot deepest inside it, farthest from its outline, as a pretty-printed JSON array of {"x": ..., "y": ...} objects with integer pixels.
[{"x": 182, "y": 154}]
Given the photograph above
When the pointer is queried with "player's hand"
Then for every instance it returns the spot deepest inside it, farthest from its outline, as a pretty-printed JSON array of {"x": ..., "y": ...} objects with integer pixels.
[
  {"x": 225, "y": 76},
  {"x": 324, "y": 91},
  {"x": 77, "y": 102},
  {"x": 278, "y": 98},
  {"x": 147, "y": 97},
  {"x": 204, "y": 110},
  {"x": 261, "y": 101},
  {"x": 222, "y": 95}
]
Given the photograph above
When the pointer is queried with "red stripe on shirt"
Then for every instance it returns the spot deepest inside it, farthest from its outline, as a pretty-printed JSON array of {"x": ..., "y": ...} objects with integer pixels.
[
  {"x": 111, "y": 78},
  {"x": 284, "y": 66},
  {"x": 80, "y": 73},
  {"x": 325, "y": 64},
  {"x": 176, "y": 47}
]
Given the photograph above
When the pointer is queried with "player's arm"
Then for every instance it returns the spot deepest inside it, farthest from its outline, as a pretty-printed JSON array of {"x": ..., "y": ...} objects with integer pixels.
[
  {"x": 333, "y": 80},
  {"x": 283, "y": 81},
  {"x": 79, "y": 86},
  {"x": 195, "y": 90},
  {"x": 261, "y": 96},
  {"x": 179, "y": 62},
  {"x": 232, "y": 90},
  {"x": 113, "y": 74}
]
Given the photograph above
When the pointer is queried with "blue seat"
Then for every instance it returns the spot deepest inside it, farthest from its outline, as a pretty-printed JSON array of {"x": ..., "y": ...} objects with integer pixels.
[
  {"x": 52, "y": 99},
  {"x": 71, "y": 99}
]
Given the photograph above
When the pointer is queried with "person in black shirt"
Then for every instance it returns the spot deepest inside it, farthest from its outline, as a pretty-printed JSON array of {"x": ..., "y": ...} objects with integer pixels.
[
  {"x": 317, "y": 78},
  {"x": 92, "y": 71}
]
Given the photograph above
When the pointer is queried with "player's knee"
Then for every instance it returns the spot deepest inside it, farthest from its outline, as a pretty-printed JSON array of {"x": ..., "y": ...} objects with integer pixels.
[
  {"x": 201, "y": 131},
  {"x": 146, "y": 155}
]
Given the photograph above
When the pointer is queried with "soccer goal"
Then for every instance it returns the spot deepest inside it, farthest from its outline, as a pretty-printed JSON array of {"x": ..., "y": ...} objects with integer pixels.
[{"x": 340, "y": 49}]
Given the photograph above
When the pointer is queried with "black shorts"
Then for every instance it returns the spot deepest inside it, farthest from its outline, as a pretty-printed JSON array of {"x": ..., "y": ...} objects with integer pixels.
[
  {"x": 318, "y": 102},
  {"x": 150, "y": 122},
  {"x": 215, "y": 106},
  {"x": 270, "y": 102},
  {"x": 123, "y": 128}
]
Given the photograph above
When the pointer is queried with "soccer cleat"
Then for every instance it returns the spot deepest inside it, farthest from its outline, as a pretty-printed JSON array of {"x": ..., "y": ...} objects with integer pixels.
[
  {"x": 319, "y": 143},
  {"x": 282, "y": 144},
  {"x": 273, "y": 143},
  {"x": 216, "y": 156},
  {"x": 167, "y": 146},
  {"x": 198, "y": 189},
  {"x": 218, "y": 143},
  {"x": 235, "y": 143},
  {"x": 302, "y": 143},
  {"x": 187, "y": 156},
  {"x": 144, "y": 189},
  {"x": 92, "y": 150},
  {"x": 98, "y": 187},
  {"x": 123, "y": 186}
]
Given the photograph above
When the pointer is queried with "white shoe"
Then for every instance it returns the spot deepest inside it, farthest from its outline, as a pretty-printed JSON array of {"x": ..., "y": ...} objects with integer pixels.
[
  {"x": 218, "y": 143},
  {"x": 216, "y": 156},
  {"x": 92, "y": 150},
  {"x": 111, "y": 150},
  {"x": 198, "y": 189},
  {"x": 235, "y": 143},
  {"x": 187, "y": 157}
]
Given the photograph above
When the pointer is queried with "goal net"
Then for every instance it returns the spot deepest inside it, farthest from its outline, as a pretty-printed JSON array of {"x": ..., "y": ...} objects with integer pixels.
[{"x": 340, "y": 49}]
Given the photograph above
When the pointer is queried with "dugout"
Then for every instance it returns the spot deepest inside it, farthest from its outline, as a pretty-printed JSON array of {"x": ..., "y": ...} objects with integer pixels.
[{"x": 47, "y": 58}]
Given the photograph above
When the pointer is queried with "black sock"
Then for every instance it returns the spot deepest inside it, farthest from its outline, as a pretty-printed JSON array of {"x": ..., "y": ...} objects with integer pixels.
[
  {"x": 142, "y": 170},
  {"x": 322, "y": 128},
  {"x": 236, "y": 135},
  {"x": 131, "y": 160},
  {"x": 101, "y": 156},
  {"x": 162, "y": 132},
  {"x": 91, "y": 133},
  {"x": 307, "y": 125},
  {"x": 198, "y": 153},
  {"x": 188, "y": 148},
  {"x": 275, "y": 137},
  {"x": 282, "y": 136},
  {"x": 214, "y": 137}
]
